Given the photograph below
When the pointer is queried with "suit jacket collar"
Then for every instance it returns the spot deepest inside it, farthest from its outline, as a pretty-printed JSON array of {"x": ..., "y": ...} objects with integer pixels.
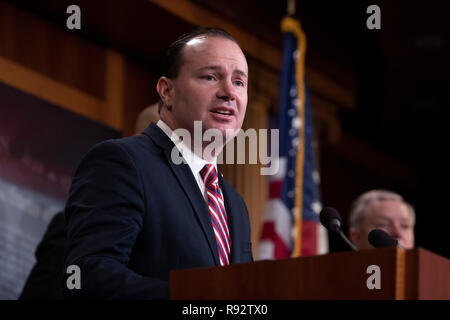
[{"x": 158, "y": 136}]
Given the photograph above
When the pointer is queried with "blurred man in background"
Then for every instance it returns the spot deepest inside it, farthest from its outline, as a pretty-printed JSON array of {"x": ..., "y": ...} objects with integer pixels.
[
  {"x": 385, "y": 210},
  {"x": 149, "y": 114}
]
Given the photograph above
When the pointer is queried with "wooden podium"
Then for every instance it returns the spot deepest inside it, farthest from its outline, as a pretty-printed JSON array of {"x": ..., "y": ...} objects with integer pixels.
[{"x": 403, "y": 274}]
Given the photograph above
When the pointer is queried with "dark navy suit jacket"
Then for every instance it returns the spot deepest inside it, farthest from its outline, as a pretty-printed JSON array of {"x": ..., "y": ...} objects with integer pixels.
[{"x": 133, "y": 216}]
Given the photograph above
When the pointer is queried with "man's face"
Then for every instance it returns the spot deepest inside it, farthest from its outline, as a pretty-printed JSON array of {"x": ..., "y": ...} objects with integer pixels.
[
  {"x": 211, "y": 86},
  {"x": 390, "y": 216}
]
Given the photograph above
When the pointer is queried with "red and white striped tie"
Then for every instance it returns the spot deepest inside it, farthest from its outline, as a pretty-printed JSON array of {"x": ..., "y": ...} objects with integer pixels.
[{"x": 217, "y": 212}]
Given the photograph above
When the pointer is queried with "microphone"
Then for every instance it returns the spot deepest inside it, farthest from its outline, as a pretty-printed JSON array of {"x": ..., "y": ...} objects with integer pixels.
[
  {"x": 381, "y": 239},
  {"x": 330, "y": 219}
]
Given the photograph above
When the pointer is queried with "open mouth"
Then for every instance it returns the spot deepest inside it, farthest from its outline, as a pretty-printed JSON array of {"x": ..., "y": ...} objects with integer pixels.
[{"x": 223, "y": 111}]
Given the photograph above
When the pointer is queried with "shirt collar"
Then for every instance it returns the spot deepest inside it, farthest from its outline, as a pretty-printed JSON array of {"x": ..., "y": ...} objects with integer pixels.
[{"x": 194, "y": 161}]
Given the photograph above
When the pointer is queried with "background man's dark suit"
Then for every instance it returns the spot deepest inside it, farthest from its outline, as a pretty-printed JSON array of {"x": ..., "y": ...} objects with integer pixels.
[
  {"x": 44, "y": 280},
  {"x": 133, "y": 215}
]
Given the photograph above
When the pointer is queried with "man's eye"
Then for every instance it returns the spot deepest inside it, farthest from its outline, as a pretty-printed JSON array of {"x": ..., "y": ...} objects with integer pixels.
[
  {"x": 208, "y": 77},
  {"x": 239, "y": 83}
]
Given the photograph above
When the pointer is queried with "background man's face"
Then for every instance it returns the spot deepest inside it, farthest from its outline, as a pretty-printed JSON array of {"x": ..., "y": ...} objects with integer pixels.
[
  {"x": 390, "y": 216},
  {"x": 211, "y": 86}
]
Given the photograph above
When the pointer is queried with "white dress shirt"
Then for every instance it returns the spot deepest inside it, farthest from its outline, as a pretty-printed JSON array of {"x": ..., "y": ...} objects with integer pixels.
[{"x": 194, "y": 162}]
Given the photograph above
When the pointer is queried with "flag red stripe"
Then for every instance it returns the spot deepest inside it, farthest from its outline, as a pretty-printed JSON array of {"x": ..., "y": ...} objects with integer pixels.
[{"x": 269, "y": 233}]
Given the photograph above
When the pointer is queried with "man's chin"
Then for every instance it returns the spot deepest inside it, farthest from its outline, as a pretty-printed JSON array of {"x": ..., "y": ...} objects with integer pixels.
[
  {"x": 225, "y": 129},
  {"x": 228, "y": 133}
]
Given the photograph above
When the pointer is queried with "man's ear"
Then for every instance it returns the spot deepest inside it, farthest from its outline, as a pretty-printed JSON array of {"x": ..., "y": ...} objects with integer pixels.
[{"x": 165, "y": 91}]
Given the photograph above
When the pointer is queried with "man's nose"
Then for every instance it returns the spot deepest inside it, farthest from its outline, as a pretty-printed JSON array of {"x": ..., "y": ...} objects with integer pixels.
[
  {"x": 227, "y": 91},
  {"x": 395, "y": 231}
]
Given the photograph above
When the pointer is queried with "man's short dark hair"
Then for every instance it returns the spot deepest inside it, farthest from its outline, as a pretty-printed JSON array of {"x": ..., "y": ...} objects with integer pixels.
[{"x": 173, "y": 59}]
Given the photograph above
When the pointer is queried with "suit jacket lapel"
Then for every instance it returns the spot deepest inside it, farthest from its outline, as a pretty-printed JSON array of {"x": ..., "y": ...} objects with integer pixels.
[{"x": 187, "y": 181}]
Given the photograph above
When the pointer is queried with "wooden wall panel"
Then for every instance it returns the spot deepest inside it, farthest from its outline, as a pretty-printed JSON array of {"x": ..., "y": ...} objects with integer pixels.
[
  {"x": 140, "y": 92},
  {"x": 114, "y": 89},
  {"x": 52, "y": 50},
  {"x": 59, "y": 66},
  {"x": 44, "y": 87}
]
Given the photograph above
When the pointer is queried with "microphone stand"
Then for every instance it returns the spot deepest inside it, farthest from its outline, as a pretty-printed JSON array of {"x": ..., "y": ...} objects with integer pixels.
[{"x": 348, "y": 242}]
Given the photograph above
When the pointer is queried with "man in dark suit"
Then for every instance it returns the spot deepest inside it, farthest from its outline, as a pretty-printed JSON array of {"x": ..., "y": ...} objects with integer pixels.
[{"x": 134, "y": 212}]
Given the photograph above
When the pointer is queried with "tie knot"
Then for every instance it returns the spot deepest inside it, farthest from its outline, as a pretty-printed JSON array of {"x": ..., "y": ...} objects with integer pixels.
[{"x": 209, "y": 175}]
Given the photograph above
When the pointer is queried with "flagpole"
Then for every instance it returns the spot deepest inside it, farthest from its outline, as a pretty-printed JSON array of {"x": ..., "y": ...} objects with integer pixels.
[
  {"x": 290, "y": 24},
  {"x": 301, "y": 141}
]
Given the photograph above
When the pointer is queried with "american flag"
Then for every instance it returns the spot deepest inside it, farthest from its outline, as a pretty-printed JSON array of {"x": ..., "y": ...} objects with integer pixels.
[{"x": 291, "y": 226}]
